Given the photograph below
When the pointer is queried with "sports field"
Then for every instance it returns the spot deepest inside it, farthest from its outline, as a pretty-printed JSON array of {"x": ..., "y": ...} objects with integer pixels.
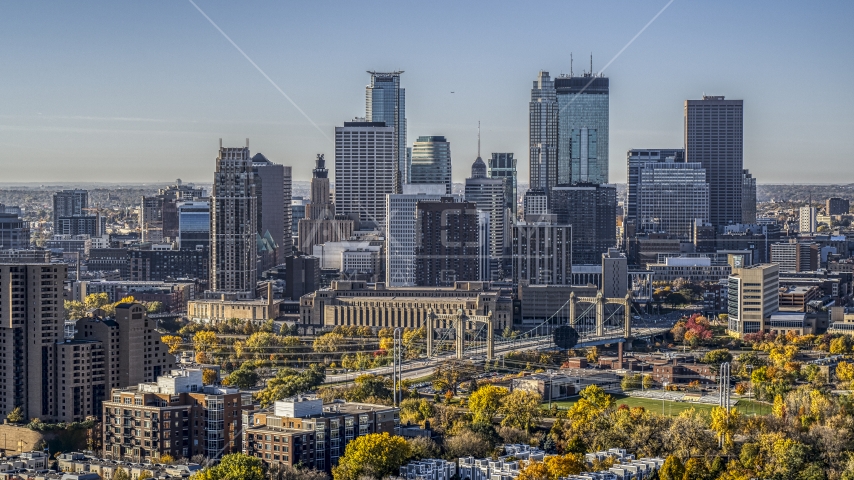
[{"x": 746, "y": 407}]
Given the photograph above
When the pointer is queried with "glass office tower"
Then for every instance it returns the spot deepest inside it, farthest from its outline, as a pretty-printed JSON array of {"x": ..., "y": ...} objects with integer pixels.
[
  {"x": 431, "y": 162},
  {"x": 385, "y": 102},
  {"x": 582, "y": 129}
]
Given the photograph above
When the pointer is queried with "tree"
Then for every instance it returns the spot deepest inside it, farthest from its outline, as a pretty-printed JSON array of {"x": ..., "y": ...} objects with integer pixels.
[
  {"x": 243, "y": 378},
  {"x": 521, "y": 409},
  {"x": 414, "y": 341},
  {"x": 592, "y": 355},
  {"x": 449, "y": 374},
  {"x": 422, "y": 447},
  {"x": 695, "y": 469},
  {"x": 287, "y": 472},
  {"x": 74, "y": 310},
  {"x": 143, "y": 475},
  {"x": 329, "y": 342},
  {"x": 173, "y": 342},
  {"x": 672, "y": 469},
  {"x": 689, "y": 435},
  {"x": 415, "y": 410},
  {"x": 120, "y": 474},
  {"x": 166, "y": 459},
  {"x": 631, "y": 382},
  {"x": 725, "y": 424},
  {"x": 16, "y": 415},
  {"x": 374, "y": 455},
  {"x": 96, "y": 300},
  {"x": 845, "y": 371},
  {"x": 717, "y": 357},
  {"x": 485, "y": 402},
  {"x": 466, "y": 444},
  {"x": 564, "y": 465},
  {"x": 289, "y": 382},
  {"x": 648, "y": 382},
  {"x": 204, "y": 340},
  {"x": 233, "y": 466},
  {"x": 154, "y": 307},
  {"x": 209, "y": 376}
]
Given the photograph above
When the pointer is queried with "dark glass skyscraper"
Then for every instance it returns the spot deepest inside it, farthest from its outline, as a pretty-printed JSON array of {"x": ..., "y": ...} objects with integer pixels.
[
  {"x": 714, "y": 131},
  {"x": 431, "y": 162},
  {"x": 386, "y": 102},
  {"x": 583, "y": 120},
  {"x": 592, "y": 211}
]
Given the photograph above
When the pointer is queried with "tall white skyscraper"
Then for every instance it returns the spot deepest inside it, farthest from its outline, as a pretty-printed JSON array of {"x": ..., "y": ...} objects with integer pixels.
[
  {"x": 234, "y": 222},
  {"x": 365, "y": 165},
  {"x": 543, "y": 128},
  {"x": 386, "y": 102},
  {"x": 400, "y": 231}
]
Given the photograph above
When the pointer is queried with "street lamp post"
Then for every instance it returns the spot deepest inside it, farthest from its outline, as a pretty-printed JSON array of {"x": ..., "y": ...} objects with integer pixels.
[{"x": 662, "y": 397}]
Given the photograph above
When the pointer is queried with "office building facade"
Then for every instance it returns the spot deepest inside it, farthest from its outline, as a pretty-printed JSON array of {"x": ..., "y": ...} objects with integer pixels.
[
  {"x": 714, "y": 132},
  {"x": 447, "y": 248},
  {"x": 503, "y": 165},
  {"x": 671, "y": 197},
  {"x": 14, "y": 232},
  {"x": 273, "y": 188},
  {"x": 542, "y": 254},
  {"x": 543, "y": 134},
  {"x": 807, "y": 219},
  {"x": 401, "y": 240},
  {"x": 431, "y": 162},
  {"x": 365, "y": 170},
  {"x": 637, "y": 157},
  {"x": 795, "y": 256},
  {"x": 488, "y": 194},
  {"x": 70, "y": 203},
  {"x": 583, "y": 124},
  {"x": 748, "y": 198},
  {"x": 194, "y": 225},
  {"x": 158, "y": 214},
  {"x": 837, "y": 206},
  {"x": 752, "y": 298},
  {"x": 385, "y": 101},
  {"x": 592, "y": 212},
  {"x": 234, "y": 223}
]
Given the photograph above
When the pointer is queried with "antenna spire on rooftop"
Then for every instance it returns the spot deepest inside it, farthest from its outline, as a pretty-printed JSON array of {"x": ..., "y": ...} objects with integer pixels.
[{"x": 478, "y": 138}]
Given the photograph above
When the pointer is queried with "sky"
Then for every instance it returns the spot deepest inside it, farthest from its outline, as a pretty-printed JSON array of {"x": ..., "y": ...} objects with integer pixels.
[{"x": 143, "y": 91}]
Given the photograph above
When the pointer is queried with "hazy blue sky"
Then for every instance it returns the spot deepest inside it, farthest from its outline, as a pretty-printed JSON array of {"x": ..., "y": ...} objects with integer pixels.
[{"x": 142, "y": 91}]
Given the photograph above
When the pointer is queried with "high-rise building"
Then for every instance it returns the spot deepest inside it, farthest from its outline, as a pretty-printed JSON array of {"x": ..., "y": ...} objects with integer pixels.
[
  {"x": 615, "y": 274},
  {"x": 714, "y": 133},
  {"x": 837, "y": 206},
  {"x": 671, "y": 197},
  {"x": 14, "y": 232},
  {"x": 273, "y": 192},
  {"x": 489, "y": 196},
  {"x": 592, "y": 211},
  {"x": 582, "y": 128},
  {"x": 807, "y": 219},
  {"x": 302, "y": 275},
  {"x": 234, "y": 223},
  {"x": 176, "y": 415},
  {"x": 543, "y": 134},
  {"x": 386, "y": 102},
  {"x": 158, "y": 215},
  {"x": 447, "y": 244},
  {"x": 503, "y": 165},
  {"x": 431, "y": 162},
  {"x": 748, "y": 198},
  {"x": 542, "y": 254},
  {"x": 298, "y": 208},
  {"x": 535, "y": 206},
  {"x": 753, "y": 297},
  {"x": 641, "y": 156},
  {"x": 400, "y": 231},
  {"x": 31, "y": 323},
  {"x": 320, "y": 224},
  {"x": 795, "y": 256},
  {"x": 365, "y": 166},
  {"x": 70, "y": 203},
  {"x": 194, "y": 225}
]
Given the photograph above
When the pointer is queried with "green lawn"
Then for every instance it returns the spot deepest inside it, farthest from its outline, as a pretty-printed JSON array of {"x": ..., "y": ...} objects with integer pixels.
[{"x": 673, "y": 408}]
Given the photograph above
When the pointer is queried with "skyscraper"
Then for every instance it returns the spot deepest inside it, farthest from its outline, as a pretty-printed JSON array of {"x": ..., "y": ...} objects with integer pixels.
[
  {"x": 714, "y": 137},
  {"x": 431, "y": 162},
  {"x": 386, "y": 102},
  {"x": 273, "y": 192},
  {"x": 194, "y": 225},
  {"x": 400, "y": 231},
  {"x": 70, "y": 203},
  {"x": 447, "y": 242},
  {"x": 583, "y": 122},
  {"x": 489, "y": 196},
  {"x": 592, "y": 211},
  {"x": 671, "y": 197},
  {"x": 542, "y": 133},
  {"x": 637, "y": 157},
  {"x": 234, "y": 223},
  {"x": 365, "y": 166},
  {"x": 31, "y": 323},
  {"x": 503, "y": 165},
  {"x": 542, "y": 254},
  {"x": 748, "y": 198},
  {"x": 321, "y": 225},
  {"x": 807, "y": 219}
]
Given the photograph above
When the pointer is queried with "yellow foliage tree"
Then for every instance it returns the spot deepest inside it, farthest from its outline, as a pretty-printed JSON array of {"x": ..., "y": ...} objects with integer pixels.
[
  {"x": 173, "y": 342},
  {"x": 209, "y": 376},
  {"x": 485, "y": 402},
  {"x": 375, "y": 455},
  {"x": 845, "y": 371},
  {"x": 204, "y": 340}
]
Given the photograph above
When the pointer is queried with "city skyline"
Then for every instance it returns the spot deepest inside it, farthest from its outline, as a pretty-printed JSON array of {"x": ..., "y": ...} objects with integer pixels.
[{"x": 106, "y": 101}]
